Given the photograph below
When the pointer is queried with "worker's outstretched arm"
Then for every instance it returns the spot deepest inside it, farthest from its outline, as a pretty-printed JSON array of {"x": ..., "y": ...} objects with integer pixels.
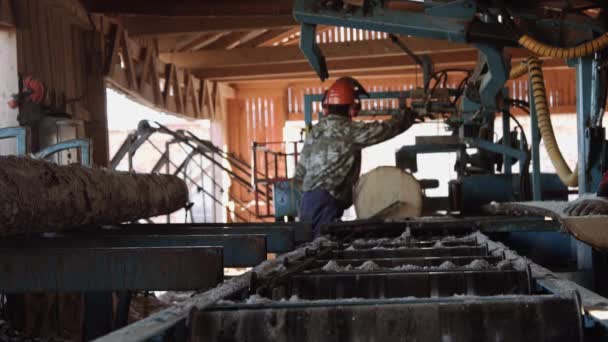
[{"x": 371, "y": 133}]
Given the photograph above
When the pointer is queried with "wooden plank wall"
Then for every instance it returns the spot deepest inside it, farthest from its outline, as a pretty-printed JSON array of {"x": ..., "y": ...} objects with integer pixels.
[
  {"x": 58, "y": 45},
  {"x": 7, "y": 18},
  {"x": 255, "y": 115}
]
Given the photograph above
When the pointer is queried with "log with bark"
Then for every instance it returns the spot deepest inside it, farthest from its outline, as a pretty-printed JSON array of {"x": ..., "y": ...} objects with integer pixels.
[{"x": 39, "y": 196}]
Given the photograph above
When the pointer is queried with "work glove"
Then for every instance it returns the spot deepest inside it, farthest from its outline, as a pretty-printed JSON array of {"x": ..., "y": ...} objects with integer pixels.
[{"x": 587, "y": 206}]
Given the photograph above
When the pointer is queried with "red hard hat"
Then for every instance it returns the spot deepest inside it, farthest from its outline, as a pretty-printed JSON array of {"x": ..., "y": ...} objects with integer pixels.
[
  {"x": 342, "y": 92},
  {"x": 345, "y": 91}
]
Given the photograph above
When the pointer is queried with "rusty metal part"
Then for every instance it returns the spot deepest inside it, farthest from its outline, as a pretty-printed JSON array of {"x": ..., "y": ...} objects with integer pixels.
[
  {"x": 421, "y": 262},
  {"x": 40, "y": 196},
  {"x": 461, "y": 292},
  {"x": 507, "y": 318},
  {"x": 401, "y": 284},
  {"x": 108, "y": 269},
  {"x": 408, "y": 252}
]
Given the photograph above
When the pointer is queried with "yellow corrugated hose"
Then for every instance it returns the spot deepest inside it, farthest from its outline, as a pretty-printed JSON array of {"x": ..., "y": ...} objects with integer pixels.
[
  {"x": 533, "y": 67},
  {"x": 535, "y": 72},
  {"x": 518, "y": 71},
  {"x": 582, "y": 50}
]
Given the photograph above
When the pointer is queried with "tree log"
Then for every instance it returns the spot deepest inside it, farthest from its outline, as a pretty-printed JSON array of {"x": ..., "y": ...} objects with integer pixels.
[
  {"x": 388, "y": 192},
  {"x": 39, "y": 196}
]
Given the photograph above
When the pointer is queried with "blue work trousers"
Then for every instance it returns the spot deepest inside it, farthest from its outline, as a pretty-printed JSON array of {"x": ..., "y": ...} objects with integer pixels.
[{"x": 319, "y": 207}]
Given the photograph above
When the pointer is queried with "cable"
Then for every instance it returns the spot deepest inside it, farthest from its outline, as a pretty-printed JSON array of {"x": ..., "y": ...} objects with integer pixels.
[
  {"x": 521, "y": 128},
  {"x": 516, "y": 102},
  {"x": 461, "y": 88}
]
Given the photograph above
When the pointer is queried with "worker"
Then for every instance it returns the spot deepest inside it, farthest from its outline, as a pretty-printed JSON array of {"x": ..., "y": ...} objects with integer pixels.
[
  {"x": 330, "y": 160},
  {"x": 591, "y": 205}
]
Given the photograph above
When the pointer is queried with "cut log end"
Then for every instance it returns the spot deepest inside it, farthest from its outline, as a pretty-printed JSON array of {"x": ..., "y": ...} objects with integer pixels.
[{"x": 388, "y": 192}]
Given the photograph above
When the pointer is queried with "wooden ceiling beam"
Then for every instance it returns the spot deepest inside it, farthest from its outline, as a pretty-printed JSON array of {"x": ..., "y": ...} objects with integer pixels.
[
  {"x": 246, "y": 38},
  {"x": 283, "y": 37},
  {"x": 320, "y": 31},
  {"x": 226, "y": 41},
  {"x": 554, "y": 64},
  {"x": 290, "y": 54},
  {"x": 298, "y": 69},
  {"x": 192, "y": 7},
  {"x": 355, "y": 66},
  {"x": 258, "y": 41},
  {"x": 183, "y": 45},
  {"x": 163, "y": 25},
  {"x": 204, "y": 41}
]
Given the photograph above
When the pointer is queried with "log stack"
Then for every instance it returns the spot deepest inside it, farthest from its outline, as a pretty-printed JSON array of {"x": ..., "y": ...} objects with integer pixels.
[{"x": 39, "y": 196}]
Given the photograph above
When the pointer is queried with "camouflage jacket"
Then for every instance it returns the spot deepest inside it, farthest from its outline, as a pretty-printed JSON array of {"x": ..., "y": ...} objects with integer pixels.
[{"x": 331, "y": 156}]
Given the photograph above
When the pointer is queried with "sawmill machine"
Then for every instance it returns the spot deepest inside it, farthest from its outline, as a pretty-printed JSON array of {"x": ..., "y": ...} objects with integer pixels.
[
  {"x": 439, "y": 278},
  {"x": 534, "y": 31}
]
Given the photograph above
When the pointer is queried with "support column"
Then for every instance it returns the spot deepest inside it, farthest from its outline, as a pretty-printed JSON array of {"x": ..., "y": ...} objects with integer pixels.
[
  {"x": 535, "y": 147},
  {"x": 9, "y": 84},
  {"x": 584, "y": 76},
  {"x": 587, "y": 84}
]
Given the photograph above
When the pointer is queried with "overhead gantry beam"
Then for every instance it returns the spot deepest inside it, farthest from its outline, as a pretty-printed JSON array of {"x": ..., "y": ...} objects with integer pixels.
[
  {"x": 163, "y": 25},
  {"x": 192, "y": 7},
  {"x": 207, "y": 59}
]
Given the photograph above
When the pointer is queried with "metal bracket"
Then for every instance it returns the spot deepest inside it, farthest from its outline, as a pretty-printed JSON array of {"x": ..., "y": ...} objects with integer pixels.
[
  {"x": 492, "y": 82},
  {"x": 83, "y": 145},
  {"x": 455, "y": 9},
  {"x": 311, "y": 50},
  {"x": 308, "y": 13},
  {"x": 20, "y": 134},
  {"x": 521, "y": 156}
]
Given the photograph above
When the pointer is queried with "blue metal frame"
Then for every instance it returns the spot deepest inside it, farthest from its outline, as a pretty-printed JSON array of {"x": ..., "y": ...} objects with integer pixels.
[
  {"x": 507, "y": 151},
  {"x": 238, "y": 250},
  {"x": 506, "y": 142},
  {"x": 81, "y": 269},
  {"x": 443, "y": 22},
  {"x": 83, "y": 146},
  {"x": 589, "y": 166},
  {"x": 587, "y": 111},
  {"x": 20, "y": 134},
  {"x": 278, "y": 239},
  {"x": 535, "y": 147},
  {"x": 493, "y": 81},
  {"x": 302, "y": 230},
  {"x": 308, "y": 45}
]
